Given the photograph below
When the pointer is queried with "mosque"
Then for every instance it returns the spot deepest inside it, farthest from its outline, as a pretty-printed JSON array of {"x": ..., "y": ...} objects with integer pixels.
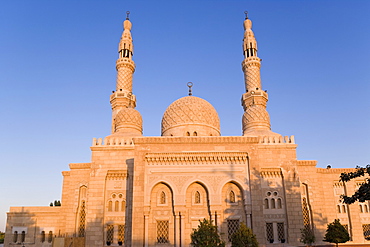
[{"x": 152, "y": 191}]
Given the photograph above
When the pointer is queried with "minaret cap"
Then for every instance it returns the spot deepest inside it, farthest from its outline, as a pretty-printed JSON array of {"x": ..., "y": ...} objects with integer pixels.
[
  {"x": 127, "y": 23},
  {"x": 247, "y": 24}
]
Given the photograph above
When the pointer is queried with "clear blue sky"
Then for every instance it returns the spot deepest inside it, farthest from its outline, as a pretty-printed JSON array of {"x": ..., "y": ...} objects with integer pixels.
[{"x": 57, "y": 70}]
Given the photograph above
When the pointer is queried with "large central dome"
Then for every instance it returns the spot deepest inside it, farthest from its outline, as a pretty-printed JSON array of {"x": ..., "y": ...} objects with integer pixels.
[{"x": 190, "y": 116}]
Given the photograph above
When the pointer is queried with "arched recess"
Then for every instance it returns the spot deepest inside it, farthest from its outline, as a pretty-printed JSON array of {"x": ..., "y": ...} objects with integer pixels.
[
  {"x": 161, "y": 220},
  {"x": 233, "y": 209},
  {"x": 197, "y": 207}
]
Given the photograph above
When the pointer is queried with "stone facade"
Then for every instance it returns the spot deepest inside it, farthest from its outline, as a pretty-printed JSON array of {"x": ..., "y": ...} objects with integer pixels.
[{"x": 152, "y": 191}]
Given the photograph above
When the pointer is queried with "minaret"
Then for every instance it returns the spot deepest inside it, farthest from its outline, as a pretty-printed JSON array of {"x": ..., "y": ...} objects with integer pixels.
[
  {"x": 256, "y": 120},
  {"x": 125, "y": 119}
]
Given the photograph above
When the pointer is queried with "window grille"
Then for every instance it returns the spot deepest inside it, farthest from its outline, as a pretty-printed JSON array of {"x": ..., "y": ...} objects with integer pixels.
[
  {"x": 232, "y": 227},
  {"x": 269, "y": 232},
  {"x": 42, "y": 236},
  {"x": 197, "y": 197},
  {"x": 163, "y": 198},
  {"x": 281, "y": 232},
  {"x": 15, "y": 236},
  {"x": 50, "y": 237},
  {"x": 81, "y": 227},
  {"x": 110, "y": 231},
  {"x": 232, "y": 197},
  {"x": 162, "y": 231},
  {"x": 306, "y": 214},
  {"x": 366, "y": 231},
  {"x": 23, "y": 236},
  {"x": 121, "y": 233}
]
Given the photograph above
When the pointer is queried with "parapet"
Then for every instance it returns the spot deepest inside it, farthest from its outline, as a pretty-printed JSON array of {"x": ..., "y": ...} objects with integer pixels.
[
  {"x": 113, "y": 141},
  {"x": 277, "y": 139}
]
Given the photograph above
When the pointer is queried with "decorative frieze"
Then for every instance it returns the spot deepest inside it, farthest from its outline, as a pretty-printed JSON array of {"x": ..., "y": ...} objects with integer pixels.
[
  {"x": 274, "y": 216},
  {"x": 271, "y": 172},
  {"x": 196, "y": 158},
  {"x": 116, "y": 175}
]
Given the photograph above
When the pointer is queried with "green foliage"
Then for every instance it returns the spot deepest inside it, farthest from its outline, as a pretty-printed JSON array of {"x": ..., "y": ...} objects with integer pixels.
[
  {"x": 56, "y": 203},
  {"x": 2, "y": 236},
  {"x": 363, "y": 193},
  {"x": 206, "y": 235},
  {"x": 244, "y": 237},
  {"x": 307, "y": 236},
  {"x": 336, "y": 233}
]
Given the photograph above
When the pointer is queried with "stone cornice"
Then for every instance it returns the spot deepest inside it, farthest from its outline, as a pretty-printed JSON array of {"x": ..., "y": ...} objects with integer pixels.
[
  {"x": 197, "y": 139},
  {"x": 196, "y": 158},
  {"x": 334, "y": 170},
  {"x": 306, "y": 162},
  {"x": 79, "y": 165}
]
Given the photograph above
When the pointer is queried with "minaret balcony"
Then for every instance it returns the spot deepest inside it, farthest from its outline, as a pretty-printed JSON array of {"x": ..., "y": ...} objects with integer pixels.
[{"x": 254, "y": 97}]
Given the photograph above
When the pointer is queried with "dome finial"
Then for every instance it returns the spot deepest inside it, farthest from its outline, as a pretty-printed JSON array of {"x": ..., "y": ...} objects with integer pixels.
[
  {"x": 246, "y": 14},
  {"x": 190, "y": 85},
  {"x": 127, "y": 15}
]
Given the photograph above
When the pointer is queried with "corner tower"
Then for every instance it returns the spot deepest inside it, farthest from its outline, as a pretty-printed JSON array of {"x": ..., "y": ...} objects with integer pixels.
[
  {"x": 125, "y": 119},
  {"x": 256, "y": 120}
]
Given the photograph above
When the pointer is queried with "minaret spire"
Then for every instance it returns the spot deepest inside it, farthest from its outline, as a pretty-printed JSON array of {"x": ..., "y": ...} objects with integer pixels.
[
  {"x": 125, "y": 119},
  {"x": 256, "y": 120}
]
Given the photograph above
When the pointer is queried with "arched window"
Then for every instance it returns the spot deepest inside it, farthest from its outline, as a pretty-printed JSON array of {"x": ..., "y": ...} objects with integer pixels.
[
  {"x": 195, "y": 133},
  {"x": 123, "y": 206},
  {"x": 232, "y": 196},
  {"x": 273, "y": 203},
  {"x": 50, "y": 236},
  {"x": 197, "y": 197},
  {"x": 81, "y": 227},
  {"x": 279, "y": 203},
  {"x": 116, "y": 206},
  {"x": 266, "y": 203},
  {"x": 366, "y": 208},
  {"x": 163, "y": 198},
  {"x": 23, "y": 236},
  {"x": 110, "y": 206},
  {"x": 361, "y": 209},
  {"x": 344, "y": 208},
  {"x": 15, "y": 236},
  {"x": 338, "y": 208},
  {"x": 42, "y": 236}
]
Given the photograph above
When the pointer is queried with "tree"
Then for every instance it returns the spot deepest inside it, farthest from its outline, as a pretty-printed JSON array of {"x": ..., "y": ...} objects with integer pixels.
[
  {"x": 336, "y": 233},
  {"x": 206, "y": 235},
  {"x": 2, "y": 236},
  {"x": 363, "y": 193},
  {"x": 244, "y": 237},
  {"x": 307, "y": 236}
]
